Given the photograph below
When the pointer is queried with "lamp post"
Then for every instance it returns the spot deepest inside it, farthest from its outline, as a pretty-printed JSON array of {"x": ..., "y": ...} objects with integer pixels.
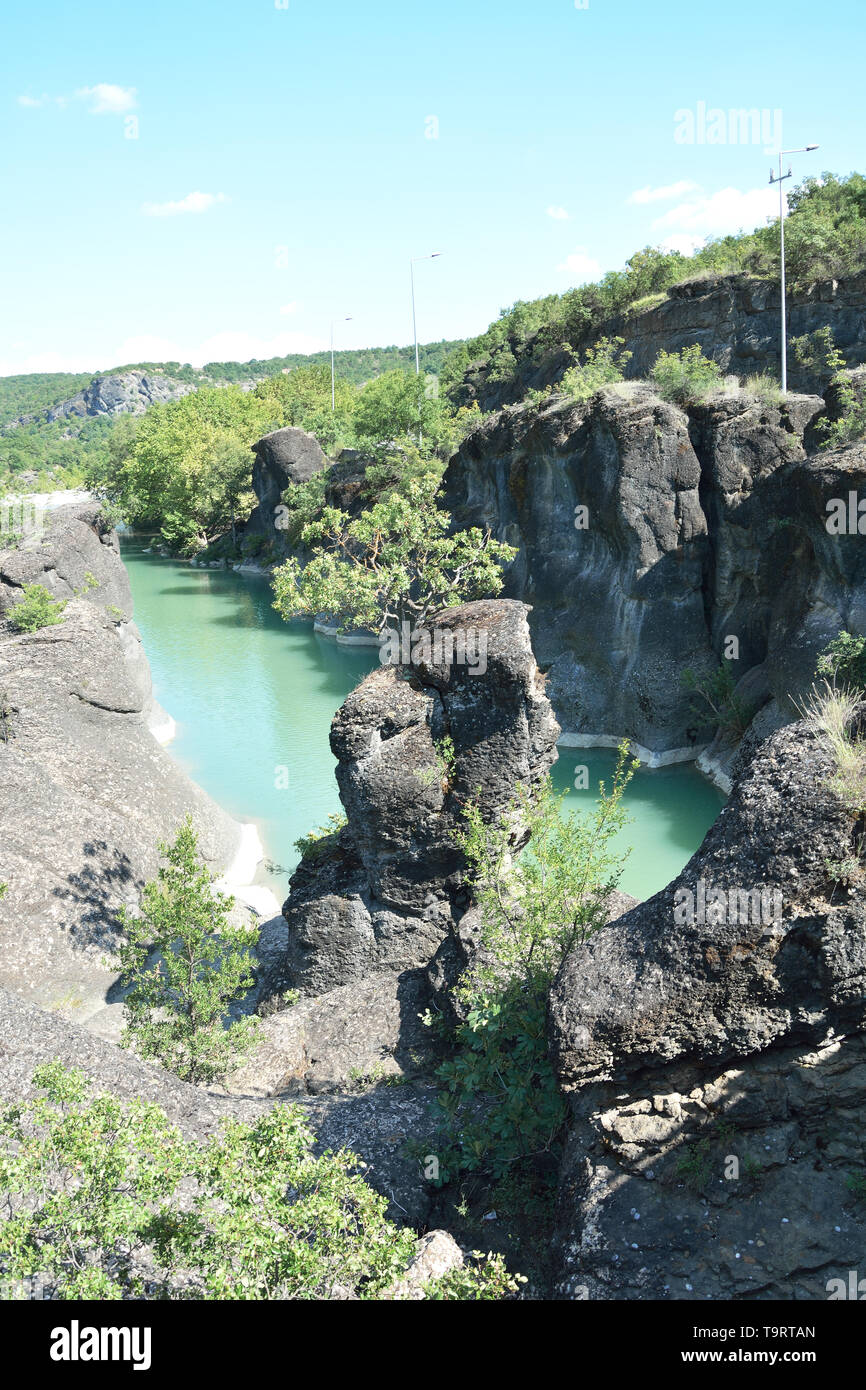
[
  {"x": 780, "y": 179},
  {"x": 347, "y": 319},
  {"x": 432, "y": 257}
]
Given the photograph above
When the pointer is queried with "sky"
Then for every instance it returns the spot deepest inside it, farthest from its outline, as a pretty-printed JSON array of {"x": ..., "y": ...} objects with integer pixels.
[{"x": 202, "y": 180}]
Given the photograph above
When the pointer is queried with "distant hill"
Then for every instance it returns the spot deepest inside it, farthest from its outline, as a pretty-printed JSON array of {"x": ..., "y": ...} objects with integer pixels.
[{"x": 52, "y": 422}]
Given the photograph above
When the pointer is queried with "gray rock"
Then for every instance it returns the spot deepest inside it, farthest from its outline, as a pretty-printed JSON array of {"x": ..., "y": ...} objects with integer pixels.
[
  {"x": 86, "y": 793},
  {"x": 716, "y": 1069},
  {"x": 123, "y": 393},
  {"x": 285, "y": 456},
  {"x": 702, "y": 527},
  {"x": 389, "y": 889}
]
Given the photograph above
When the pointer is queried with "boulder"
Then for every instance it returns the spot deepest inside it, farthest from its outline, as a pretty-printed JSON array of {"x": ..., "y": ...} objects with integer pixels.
[
  {"x": 285, "y": 456},
  {"x": 711, "y": 1042}
]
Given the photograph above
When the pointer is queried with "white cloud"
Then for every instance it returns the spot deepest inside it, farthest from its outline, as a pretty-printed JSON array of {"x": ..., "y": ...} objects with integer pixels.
[
  {"x": 558, "y": 214},
  {"x": 33, "y": 101},
  {"x": 581, "y": 266},
  {"x": 291, "y": 308},
  {"x": 662, "y": 194},
  {"x": 193, "y": 202},
  {"x": 683, "y": 242},
  {"x": 107, "y": 99},
  {"x": 727, "y": 211}
]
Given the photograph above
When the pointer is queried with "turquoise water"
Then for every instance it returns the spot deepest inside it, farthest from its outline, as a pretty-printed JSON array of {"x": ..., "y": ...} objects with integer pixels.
[{"x": 253, "y": 698}]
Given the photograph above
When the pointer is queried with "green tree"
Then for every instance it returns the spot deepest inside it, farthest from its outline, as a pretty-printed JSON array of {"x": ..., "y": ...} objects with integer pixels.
[
  {"x": 396, "y": 406},
  {"x": 394, "y": 561},
  {"x": 186, "y": 963},
  {"x": 843, "y": 662}
]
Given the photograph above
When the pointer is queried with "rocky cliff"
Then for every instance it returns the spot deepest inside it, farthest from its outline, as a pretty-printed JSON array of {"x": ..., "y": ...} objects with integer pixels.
[
  {"x": 712, "y": 1044},
  {"x": 733, "y": 318},
  {"x": 86, "y": 792},
  {"x": 654, "y": 540},
  {"x": 126, "y": 393}
]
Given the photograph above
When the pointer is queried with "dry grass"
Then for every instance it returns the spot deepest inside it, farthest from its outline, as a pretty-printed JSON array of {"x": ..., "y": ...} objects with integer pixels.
[{"x": 829, "y": 713}]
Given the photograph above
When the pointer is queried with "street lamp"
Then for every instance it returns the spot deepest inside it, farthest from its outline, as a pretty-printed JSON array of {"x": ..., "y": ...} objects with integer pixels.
[
  {"x": 347, "y": 319},
  {"x": 432, "y": 257},
  {"x": 780, "y": 179}
]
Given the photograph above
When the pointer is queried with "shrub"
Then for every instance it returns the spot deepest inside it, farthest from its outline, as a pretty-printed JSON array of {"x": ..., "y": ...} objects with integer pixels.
[
  {"x": 685, "y": 377},
  {"x": 37, "y": 609},
  {"x": 108, "y": 1201},
  {"x": 829, "y": 713},
  {"x": 500, "y": 1098},
  {"x": 765, "y": 387},
  {"x": 318, "y": 842},
  {"x": 175, "y": 1009},
  {"x": 843, "y": 662},
  {"x": 602, "y": 365},
  {"x": 715, "y": 693}
]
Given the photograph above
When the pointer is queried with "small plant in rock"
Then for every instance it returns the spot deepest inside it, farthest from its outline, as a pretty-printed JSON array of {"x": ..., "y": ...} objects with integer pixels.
[
  {"x": 685, "y": 377},
  {"x": 713, "y": 694},
  {"x": 602, "y": 365},
  {"x": 830, "y": 714},
  {"x": 37, "y": 609},
  {"x": 318, "y": 842},
  {"x": 185, "y": 963},
  {"x": 817, "y": 353},
  {"x": 7, "y": 714},
  {"x": 765, "y": 387}
]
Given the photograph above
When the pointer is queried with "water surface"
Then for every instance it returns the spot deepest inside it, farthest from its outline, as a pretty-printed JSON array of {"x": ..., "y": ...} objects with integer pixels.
[{"x": 253, "y": 698}]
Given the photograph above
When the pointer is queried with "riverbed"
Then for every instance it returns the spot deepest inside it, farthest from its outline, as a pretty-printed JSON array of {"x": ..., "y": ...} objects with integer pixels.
[{"x": 253, "y": 698}]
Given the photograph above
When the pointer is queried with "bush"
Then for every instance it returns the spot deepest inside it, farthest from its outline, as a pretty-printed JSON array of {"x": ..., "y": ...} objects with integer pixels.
[
  {"x": 843, "y": 662},
  {"x": 108, "y": 1201},
  {"x": 686, "y": 376},
  {"x": 713, "y": 696},
  {"x": 500, "y": 1098},
  {"x": 601, "y": 366},
  {"x": 175, "y": 1009},
  {"x": 318, "y": 842},
  {"x": 37, "y": 609}
]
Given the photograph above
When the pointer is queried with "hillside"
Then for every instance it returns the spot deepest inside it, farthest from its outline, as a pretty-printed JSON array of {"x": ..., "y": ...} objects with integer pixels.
[{"x": 55, "y": 424}]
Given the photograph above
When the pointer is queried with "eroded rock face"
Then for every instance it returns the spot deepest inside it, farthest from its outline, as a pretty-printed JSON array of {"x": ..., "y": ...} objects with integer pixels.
[
  {"x": 698, "y": 528},
  {"x": 712, "y": 1023},
  {"x": 126, "y": 393},
  {"x": 86, "y": 792},
  {"x": 386, "y": 894}
]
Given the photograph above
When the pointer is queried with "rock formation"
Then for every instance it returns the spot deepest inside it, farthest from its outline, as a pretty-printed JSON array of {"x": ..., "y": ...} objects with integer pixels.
[
  {"x": 648, "y": 536},
  {"x": 86, "y": 793},
  {"x": 124, "y": 393},
  {"x": 389, "y": 889},
  {"x": 712, "y": 1045}
]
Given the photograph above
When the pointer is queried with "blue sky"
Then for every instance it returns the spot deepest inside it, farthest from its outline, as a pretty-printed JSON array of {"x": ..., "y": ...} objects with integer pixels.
[{"x": 208, "y": 179}]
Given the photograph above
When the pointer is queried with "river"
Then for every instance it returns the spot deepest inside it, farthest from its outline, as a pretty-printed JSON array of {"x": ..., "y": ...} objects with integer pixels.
[{"x": 253, "y": 698}]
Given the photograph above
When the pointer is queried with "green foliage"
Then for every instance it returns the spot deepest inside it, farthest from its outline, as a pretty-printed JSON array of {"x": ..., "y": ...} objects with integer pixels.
[
  {"x": 185, "y": 964},
  {"x": 843, "y": 662},
  {"x": 825, "y": 236},
  {"x": 318, "y": 842},
  {"x": 485, "y": 1278},
  {"x": 303, "y": 398},
  {"x": 714, "y": 693},
  {"x": 101, "y": 1191},
  {"x": 500, "y": 1098},
  {"x": 395, "y": 560},
  {"x": 765, "y": 387},
  {"x": 818, "y": 354},
  {"x": 36, "y": 610},
  {"x": 686, "y": 376},
  {"x": 602, "y": 365},
  {"x": 186, "y": 466}
]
